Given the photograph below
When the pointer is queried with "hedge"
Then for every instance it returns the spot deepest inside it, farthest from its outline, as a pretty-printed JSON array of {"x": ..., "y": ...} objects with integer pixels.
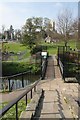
[{"x": 11, "y": 68}]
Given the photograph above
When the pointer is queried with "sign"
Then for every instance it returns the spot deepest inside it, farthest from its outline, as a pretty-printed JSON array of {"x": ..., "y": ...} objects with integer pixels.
[{"x": 44, "y": 53}]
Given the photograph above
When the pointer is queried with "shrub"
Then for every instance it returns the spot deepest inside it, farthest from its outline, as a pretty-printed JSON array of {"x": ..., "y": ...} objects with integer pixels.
[
  {"x": 36, "y": 49},
  {"x": 11, "y": 68}
]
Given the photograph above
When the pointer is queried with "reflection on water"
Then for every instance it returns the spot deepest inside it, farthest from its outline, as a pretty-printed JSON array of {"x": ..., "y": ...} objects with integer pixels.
[{"x": 16, "y": 83}]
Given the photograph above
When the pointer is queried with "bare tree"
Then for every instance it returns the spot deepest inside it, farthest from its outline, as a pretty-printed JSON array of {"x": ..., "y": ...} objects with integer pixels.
[
  {"x": 75, "y": 25},
  {"x": 64, "y": 23}
]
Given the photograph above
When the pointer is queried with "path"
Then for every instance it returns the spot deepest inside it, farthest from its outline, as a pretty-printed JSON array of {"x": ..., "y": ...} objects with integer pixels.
[
  {"x": 59, "y": 97},
  {"x": 50, "y": 69}
]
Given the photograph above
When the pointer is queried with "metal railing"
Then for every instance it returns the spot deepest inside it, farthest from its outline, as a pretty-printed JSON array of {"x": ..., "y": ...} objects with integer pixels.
[
  {"x": 33, "y": 86},
  {"x": 13, "y": 76},
  {"x": 43, "y": 66},
  {"x": 30, "y": 89},
  {"x": 15, "y": 102},
  {"x": 69, "y": 63}
]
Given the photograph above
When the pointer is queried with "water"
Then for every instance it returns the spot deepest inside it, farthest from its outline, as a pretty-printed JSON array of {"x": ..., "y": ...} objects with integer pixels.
[{"x": 16, "y": 83}]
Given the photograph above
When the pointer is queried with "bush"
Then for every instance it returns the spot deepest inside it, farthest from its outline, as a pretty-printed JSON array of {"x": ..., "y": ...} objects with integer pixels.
[
  {"x": 36, "y": 49},
  {"x": 11, "y": 68}
]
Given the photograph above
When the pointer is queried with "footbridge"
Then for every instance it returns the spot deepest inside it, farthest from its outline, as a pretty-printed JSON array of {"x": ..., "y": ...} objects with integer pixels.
[{"x": 50, "y": 98}]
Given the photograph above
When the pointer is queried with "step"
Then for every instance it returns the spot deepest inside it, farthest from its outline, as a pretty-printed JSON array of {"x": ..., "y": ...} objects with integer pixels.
[
  {"x": 32, "y": 106},
  {"x": 26, "y": 115}
]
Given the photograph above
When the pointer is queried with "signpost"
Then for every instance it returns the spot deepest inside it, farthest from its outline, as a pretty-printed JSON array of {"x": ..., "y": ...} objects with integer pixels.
[{"x": 44, "y": 54}]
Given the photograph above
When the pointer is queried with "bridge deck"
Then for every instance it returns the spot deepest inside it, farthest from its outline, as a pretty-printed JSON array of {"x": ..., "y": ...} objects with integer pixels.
[{"x": 58, "y": 95}]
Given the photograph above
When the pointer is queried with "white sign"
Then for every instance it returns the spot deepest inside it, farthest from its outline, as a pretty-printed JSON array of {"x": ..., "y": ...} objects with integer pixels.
[{"x": 44, "y": 53}]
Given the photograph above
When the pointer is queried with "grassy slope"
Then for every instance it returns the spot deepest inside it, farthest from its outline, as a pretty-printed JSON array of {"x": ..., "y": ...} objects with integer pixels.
[
  {"x": 17, "y": 47},
  {"x": 52, "y": 47}
]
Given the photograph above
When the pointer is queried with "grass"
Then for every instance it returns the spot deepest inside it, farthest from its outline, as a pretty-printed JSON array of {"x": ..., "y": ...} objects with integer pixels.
[
  {"x": 11, "y": 68},
  {"x": 16, "y": 48},
  {"x": 11, "y": 112},
  {"x": 25, "y": 58},
  {"x": 52, "y": 47},
  {"x": 3, "y": 105}
]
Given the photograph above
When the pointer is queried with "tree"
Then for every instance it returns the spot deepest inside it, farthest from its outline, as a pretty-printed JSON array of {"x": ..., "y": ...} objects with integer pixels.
[
  {"x": 18, "y": 35},
  {"x": 35, "y": 29},
  {"x": 47, "y": 25},
  {"x": 38, "y": 22},
  {"x": 75, "y": 25},
  {"x": 64, "y": 23},
  {"x": 31, "y": 32},
  {"x": 75, "y": 28}
]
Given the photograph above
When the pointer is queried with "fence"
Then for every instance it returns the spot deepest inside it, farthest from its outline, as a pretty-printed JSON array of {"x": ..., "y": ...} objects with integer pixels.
[
  {"x": 69, "y": 62},
  {"x": 15, "y": 102},
  {"x": 9, "y": 86},
  {"x": 39, "y": 62}
]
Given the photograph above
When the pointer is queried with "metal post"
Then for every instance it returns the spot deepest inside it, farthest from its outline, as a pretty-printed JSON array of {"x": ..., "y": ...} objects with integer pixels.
[
  {"x": 31, "y": 93},
  {"x": 9, "y": 84},
  {"x": 78, "y": 76},
  {"x": 22, "y": 81},
  {"x": 58, "y": 57},
  {"x": 35, "y": 62},
  {"x": 16, "y": 111},
  {"x": 35, "y": 89},
  {"x": 41, "y": 65},
  {"x": 63, "y": 64},
  {"x": 26, "y": 99}
]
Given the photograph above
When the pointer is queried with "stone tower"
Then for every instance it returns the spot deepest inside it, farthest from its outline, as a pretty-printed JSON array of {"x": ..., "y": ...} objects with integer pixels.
[{"x": 11, "y": 32}]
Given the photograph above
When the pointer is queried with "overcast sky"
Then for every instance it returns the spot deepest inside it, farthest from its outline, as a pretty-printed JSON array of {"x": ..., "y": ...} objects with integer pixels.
[{"x": 16, "y": 13}]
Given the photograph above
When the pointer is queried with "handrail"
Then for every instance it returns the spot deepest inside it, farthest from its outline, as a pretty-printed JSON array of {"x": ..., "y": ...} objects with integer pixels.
[
  {"x": 43, "y": 70},
  {"x": 12, "y": 103},
  {"x": 11, "y": 76},
  {"x": 29, "y": 89}
]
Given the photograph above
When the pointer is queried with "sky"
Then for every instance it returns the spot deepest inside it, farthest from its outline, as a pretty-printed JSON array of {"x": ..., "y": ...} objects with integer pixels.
[{"x": 16, "y": 13}]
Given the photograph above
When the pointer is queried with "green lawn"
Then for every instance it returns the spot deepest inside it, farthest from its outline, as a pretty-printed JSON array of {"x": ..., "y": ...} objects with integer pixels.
[
  {"x": 52, "y": 47},
  {"x": 16, "y": 48},
  {"x": 11, "y": 113}
]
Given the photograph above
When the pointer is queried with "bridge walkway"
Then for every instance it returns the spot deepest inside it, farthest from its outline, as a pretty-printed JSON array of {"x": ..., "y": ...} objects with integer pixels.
[{"x": 59, "y": 97}]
